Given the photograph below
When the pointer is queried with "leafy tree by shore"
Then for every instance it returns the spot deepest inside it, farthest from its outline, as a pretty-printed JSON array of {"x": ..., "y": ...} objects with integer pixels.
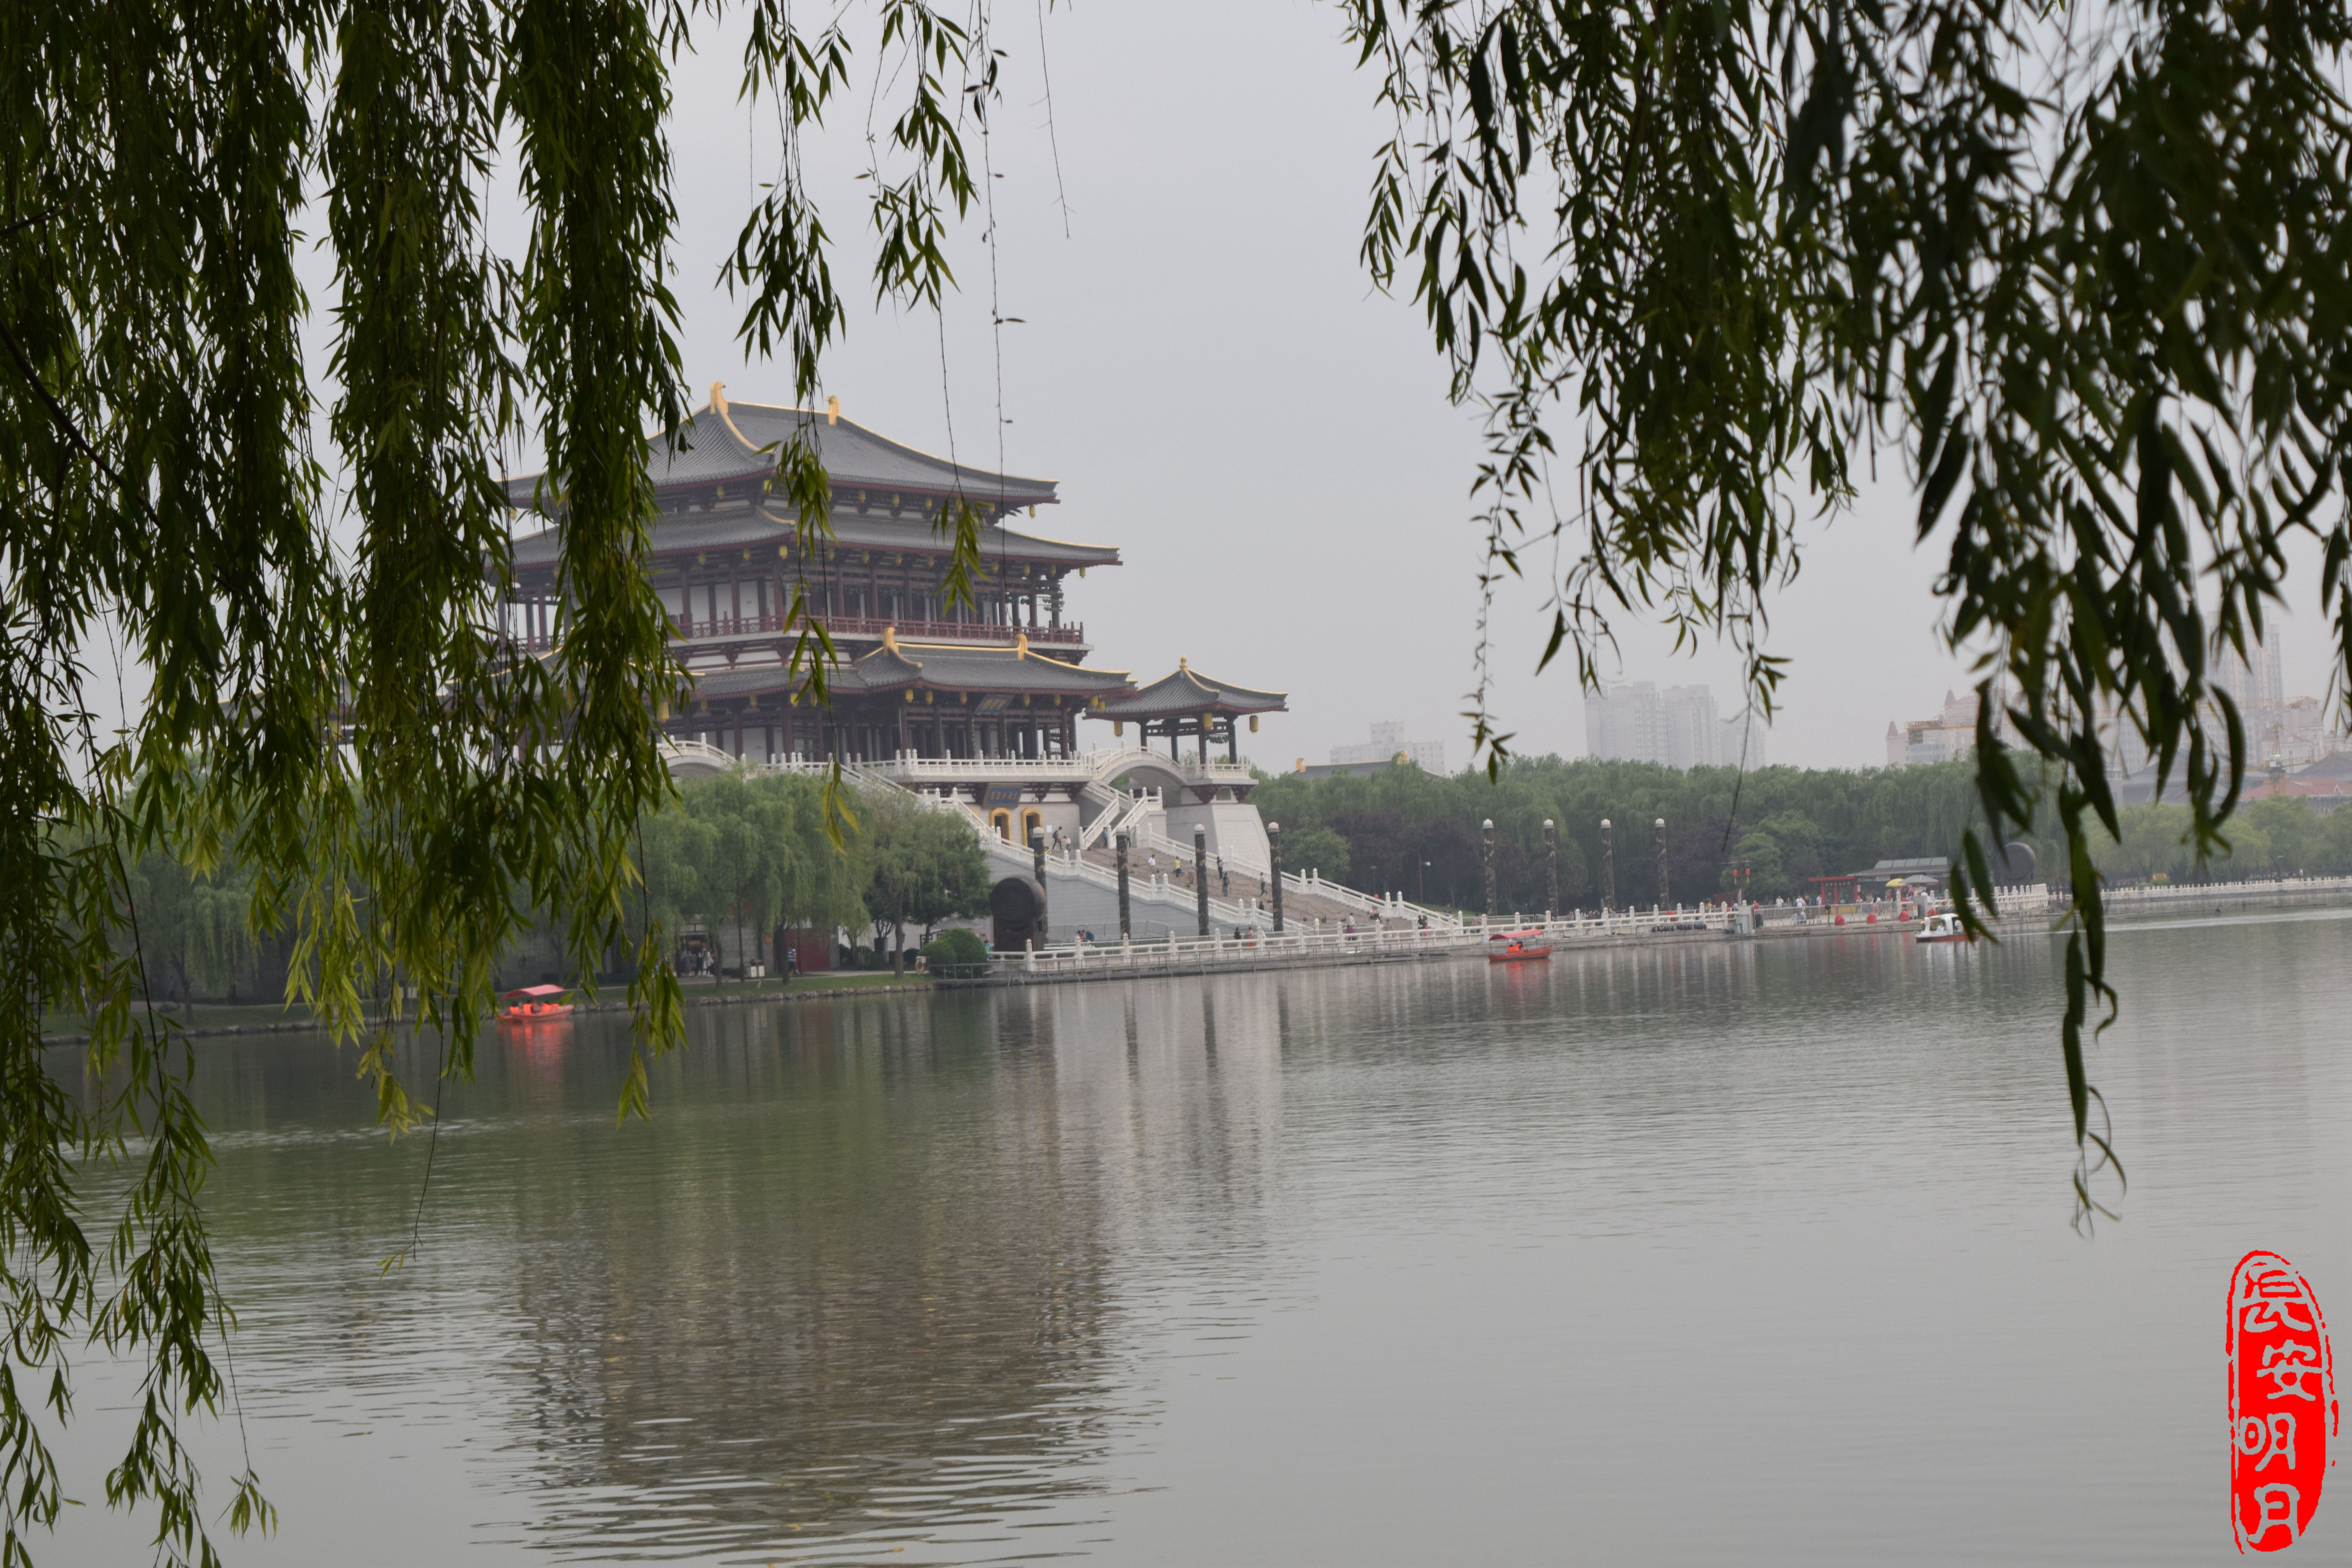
[
  {"x": 921, "y": 865},
  {"x": 743, "y": 854},
  {"x": 1402, "y": 830}
]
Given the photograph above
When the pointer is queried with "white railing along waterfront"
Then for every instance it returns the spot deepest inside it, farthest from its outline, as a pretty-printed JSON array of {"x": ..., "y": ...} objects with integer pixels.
[
  {"x": 1257, "y": 940},
  {"x": 2245, "y": 888},
  {"x": 1179, "y": 953}
]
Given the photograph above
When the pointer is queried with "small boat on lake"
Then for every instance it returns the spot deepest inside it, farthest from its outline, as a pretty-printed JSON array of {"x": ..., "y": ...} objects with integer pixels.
[
  {"x": 1517, "y": 946},
  {"x": 532, "y": 1002},
  {"x": 1942, "y": 928}
]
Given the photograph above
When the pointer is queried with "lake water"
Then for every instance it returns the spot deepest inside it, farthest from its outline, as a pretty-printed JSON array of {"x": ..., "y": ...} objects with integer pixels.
[{"x": 1737, "y": 1254}]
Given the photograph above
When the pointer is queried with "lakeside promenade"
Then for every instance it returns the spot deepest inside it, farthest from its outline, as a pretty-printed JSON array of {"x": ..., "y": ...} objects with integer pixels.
[
  {"x": 1391, "y": 942},
  {"x": 1403, "y": 942}
]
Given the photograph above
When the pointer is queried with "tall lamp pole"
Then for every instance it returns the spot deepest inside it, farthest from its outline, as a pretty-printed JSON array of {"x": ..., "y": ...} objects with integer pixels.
[
  {"x": 1488, "y": 828},
  {"x": 1122, "y": 887},
  {"x": 1608, "y": 866},
  {"x": 1273, "y": 853},
  {"x": 1665, "y": 897},
  {"x": 1037, "y": 858},
  {"x": 1551, "y": 870},
  {"x": 1201, "y": 866}
]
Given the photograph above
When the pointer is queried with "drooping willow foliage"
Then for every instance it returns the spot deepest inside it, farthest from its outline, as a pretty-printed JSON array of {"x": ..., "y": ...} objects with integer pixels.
[
  {"x": 350, "y": 726},
  {"x": 2084, "y": 272}
]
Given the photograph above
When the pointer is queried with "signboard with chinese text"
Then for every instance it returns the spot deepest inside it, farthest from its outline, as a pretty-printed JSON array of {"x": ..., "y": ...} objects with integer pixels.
[{"x": 2283, "y": 1411}]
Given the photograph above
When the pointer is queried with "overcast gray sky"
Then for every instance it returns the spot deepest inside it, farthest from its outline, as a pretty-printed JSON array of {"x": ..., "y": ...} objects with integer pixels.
[{"x": 1205, "y": 369}]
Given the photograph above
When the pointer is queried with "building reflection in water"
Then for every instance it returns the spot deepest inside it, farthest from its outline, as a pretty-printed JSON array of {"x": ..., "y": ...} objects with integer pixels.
[
  {"x": 944, "y": 1278},
  {"x": 876, "y": 1270}
]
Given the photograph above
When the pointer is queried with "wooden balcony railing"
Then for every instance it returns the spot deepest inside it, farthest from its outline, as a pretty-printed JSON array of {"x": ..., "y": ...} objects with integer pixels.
[{"x": 685, "y": 630}]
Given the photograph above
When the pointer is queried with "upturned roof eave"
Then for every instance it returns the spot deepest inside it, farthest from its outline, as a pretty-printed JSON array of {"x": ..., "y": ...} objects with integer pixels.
[
  {"x": 1013, "y": 545},
  {"x": 902, "y": 675},
  {"x": 1187, "y": 691},
  {"x": 753, "y": 460}
]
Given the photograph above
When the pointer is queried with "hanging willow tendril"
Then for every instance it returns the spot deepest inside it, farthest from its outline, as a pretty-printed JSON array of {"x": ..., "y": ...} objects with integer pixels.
[
  {"x": 354, "y": 727},
  {"x": 2085, "y": 267}
]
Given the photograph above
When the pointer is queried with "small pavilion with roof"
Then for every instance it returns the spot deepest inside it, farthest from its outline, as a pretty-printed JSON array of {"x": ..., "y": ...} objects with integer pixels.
[{"x": 1188, "y": 705}]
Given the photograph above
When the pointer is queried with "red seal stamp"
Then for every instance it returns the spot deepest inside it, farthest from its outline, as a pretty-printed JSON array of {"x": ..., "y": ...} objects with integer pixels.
[{"x": 2282, "y": 1402}]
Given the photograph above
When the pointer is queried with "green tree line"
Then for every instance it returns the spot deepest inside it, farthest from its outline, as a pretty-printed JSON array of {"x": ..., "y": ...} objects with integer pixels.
[
  {"x": 2266, "y": 839},
  {"x": 740, "y": 855},
  {"x": 1402, "y": 830},
  {"x": 745, "y": 854}
]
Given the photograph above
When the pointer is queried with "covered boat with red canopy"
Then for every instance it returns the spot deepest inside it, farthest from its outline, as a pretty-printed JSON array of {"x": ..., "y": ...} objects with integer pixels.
[
  {"x": 1518, "y": 946},
  {"x": 533, "y": 1001}
]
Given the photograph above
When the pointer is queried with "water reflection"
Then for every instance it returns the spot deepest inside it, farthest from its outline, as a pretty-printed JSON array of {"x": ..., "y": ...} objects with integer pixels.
[
  {"x": 1400, "y": 1264},
  {"x": 854, "y": 1281}
]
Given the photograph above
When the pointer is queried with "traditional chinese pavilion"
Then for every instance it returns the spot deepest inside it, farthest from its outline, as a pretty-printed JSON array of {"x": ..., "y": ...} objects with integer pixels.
[
  {"x": 1003, "y": 677},
  {"x": 975, "y": 704},
  {"x": 1191, "y": 706}
]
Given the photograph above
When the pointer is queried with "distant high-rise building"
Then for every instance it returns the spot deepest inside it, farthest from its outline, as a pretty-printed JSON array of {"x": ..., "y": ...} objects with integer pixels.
[
  {"x": 2253, "y": 683},
  {"x": 2294, "y": 731},
  {"x": 1678, "y": 726},
  {"x": 2291, "y": 731},
  {"x": 1740, "y": 743},
  {"x": 1951, "y": 733},
  {"x": 1388, "y": 743}
]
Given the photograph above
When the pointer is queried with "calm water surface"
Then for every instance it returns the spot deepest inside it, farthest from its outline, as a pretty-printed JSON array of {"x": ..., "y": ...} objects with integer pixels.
[{"x": 1721, "y": 1255}]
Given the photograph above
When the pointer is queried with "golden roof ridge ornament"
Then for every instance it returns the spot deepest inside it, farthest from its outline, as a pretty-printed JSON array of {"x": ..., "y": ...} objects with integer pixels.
[
  {"x": 719, "y": 406},
  {"x": 1020, "y": 644},
  {"x": 891, "y": 638}
]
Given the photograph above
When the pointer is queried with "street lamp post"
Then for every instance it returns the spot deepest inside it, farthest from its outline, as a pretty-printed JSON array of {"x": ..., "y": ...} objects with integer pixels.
[
  {"x": 1608, "y": 866},
  {"x": 1037, "y": 859},
  {"x": 1488, "y": 828},
  {"x": 1201, "y": 864},
  {"x": 1123, "y": 929},
  {"x": 1273, "y": 853},
  {"x": 1551, "y": 870},
  {"x": 1665, "y": 897}
]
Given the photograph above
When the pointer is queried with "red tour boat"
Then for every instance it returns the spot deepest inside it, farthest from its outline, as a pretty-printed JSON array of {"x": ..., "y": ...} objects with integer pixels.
[
  {"x": 533, "y": 1003},
  {"x": 1517, "y": 946}
]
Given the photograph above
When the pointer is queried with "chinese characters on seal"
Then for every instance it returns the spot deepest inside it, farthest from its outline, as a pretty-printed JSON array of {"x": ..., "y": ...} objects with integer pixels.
[{"x": 2282, "y": 1414}]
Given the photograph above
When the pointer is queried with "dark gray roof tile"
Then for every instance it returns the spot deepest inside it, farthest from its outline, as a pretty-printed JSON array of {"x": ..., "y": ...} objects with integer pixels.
[
  {"x": 933, "y": 665},
  {"x": 714, "y": 447},
  {"x": 683, "y": 533},
  {"x": 1190, "y": 691},
  {"x": 951, "y": 668}
]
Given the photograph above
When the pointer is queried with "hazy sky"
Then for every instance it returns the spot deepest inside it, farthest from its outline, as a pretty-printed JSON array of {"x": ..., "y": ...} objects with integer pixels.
[{"x": 1205, "y": 369}]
